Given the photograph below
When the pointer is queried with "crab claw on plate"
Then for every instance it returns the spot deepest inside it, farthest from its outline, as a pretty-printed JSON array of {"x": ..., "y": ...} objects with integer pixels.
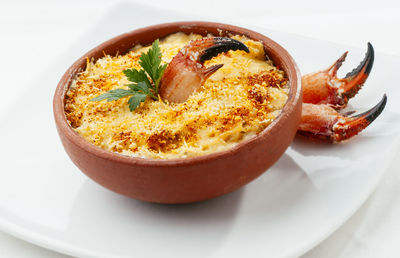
[
  {"x": 325, "y": 87},
  {"x": 323, "y": 122},
  {"x": 186, "y": 72}
]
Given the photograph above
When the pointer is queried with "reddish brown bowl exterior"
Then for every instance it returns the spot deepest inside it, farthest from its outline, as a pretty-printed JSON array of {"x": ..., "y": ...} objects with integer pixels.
[{"x": 186, "y": 179}]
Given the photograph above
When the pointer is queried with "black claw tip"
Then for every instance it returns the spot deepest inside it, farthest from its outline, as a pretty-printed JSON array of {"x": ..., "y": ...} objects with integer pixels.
[
  {"x": 222, "y": 44},
  {"x": 371, "y": 53},
  {"x": 374, "y": 112},
  {"x": 368, "y": 62}
]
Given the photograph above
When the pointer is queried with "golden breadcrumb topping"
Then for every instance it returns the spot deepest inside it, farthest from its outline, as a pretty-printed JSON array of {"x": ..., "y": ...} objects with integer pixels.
[{"x": 234, "y": 104}]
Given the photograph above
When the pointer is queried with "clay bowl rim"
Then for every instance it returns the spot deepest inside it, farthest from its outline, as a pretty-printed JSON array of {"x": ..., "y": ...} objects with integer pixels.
[{"x": 292, "y": 73}]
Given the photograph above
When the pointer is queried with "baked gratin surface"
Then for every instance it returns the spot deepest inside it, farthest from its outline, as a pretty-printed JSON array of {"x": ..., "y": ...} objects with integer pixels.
[{"x": 234, "y": 104}]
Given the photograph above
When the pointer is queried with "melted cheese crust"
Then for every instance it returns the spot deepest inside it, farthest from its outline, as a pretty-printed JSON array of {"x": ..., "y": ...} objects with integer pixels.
[{"x": 234, "y": 104}]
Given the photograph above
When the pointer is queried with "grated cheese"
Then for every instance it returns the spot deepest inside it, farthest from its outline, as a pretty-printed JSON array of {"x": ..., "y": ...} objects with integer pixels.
[{"x": 234, "y": 104}]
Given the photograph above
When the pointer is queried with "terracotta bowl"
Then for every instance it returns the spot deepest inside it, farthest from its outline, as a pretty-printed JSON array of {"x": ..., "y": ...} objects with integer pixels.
[{"x": 182, "y": 180}]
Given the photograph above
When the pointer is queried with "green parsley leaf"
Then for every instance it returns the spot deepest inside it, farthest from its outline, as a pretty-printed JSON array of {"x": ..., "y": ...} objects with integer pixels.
[
  {"x": 134, "y": 75},
  {"x": 151, "y": 63},
  {"x": 135, "y": 100},
  {"x": 160, "y": 72},
  {"x": 141, "y": 86}
]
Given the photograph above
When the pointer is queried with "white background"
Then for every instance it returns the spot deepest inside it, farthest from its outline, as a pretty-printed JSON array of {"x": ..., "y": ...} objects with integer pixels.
[{"x": 38, "y": 32}]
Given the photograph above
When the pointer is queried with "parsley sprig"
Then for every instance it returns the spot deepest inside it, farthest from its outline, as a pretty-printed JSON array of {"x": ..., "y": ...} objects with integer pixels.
[{"x": 142, "y": 86}]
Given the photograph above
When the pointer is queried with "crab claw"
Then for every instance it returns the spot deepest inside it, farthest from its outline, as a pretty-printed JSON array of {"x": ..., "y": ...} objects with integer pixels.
[
  {"x": 324, "y": 122},
  {"x": 325, "y": 88},
  {"x": 186, "y": 72}
]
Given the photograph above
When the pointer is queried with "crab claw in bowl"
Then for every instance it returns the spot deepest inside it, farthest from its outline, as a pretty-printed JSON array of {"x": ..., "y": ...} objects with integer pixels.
[{"x": 186, "y": 72}]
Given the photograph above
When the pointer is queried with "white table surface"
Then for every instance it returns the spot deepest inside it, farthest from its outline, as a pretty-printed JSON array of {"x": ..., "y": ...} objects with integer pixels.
[{"x": 39, "y": 31}]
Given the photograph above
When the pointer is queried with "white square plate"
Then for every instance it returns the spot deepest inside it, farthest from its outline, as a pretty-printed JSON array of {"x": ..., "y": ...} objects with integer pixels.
[{"x": 304, "y": 197}]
